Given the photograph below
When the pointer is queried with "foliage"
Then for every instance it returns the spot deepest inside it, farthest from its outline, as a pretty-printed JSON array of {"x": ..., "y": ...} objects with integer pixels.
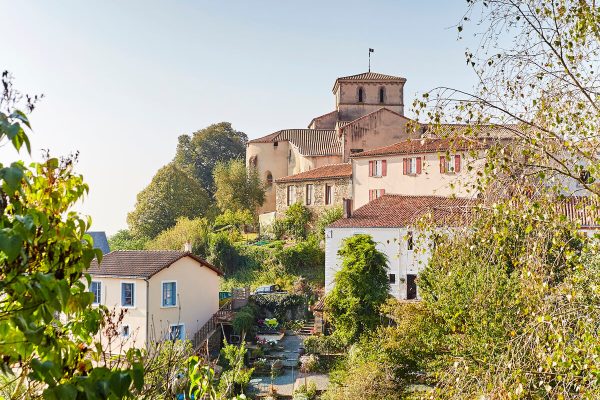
[
  {"x": 302, "y": 257},
  {"x": 165, "y": 369},
  {"x": 196, "y": 232},
  {"x": 279, "y": 304},
  {"x": 306, "y": 393},
  {"x": 309, "y": 363},
  {"x": 236, "y": 188},
  {"x": 244, "y": 320},
  {"x": 47, "y": 323},
  {"x": 199, "y": 153},
  {"x": 326, "y": 218},
  {"x": 224, "y": 254},
  {"x": 331, "y": 344},
  {"x": 361, "y": 287},
  {"x": 171, "y": 194},
  {"x": 125, "y": 240},
  {"x": 235, "y": 220},
  {"x": 236, "y": 376},
  {"x": 296, "y": 221}
]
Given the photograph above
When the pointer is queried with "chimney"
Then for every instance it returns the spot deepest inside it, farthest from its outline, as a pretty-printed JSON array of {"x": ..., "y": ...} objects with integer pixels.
[
  {"x": 187, "y": 247},
  {"x": 347, "y": 208}
]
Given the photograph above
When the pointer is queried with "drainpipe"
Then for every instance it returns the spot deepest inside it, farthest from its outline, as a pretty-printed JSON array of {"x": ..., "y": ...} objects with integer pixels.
[{"x": 147, "y": 312}]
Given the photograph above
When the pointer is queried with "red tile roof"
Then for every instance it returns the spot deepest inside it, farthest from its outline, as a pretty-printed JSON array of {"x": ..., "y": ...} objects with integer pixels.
[
  {"x": 391, "y": 211},
  {"x": 425, "y": 145},
  {"x": 332, "y": 171},
  {"x": 141, "y": 263}
]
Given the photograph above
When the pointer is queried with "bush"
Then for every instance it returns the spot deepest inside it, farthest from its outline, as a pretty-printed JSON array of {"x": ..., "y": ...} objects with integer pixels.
[
  {"x": 309, "y": 363},
  {"x": 295, "y": 224},
  {"x": 332, "y": 344},
  {"x": 326, "y": 218},
  {"x": 279, "y": 304},
  {"x": 302, "y": 257},
  {"x": 306, "y": 393}
]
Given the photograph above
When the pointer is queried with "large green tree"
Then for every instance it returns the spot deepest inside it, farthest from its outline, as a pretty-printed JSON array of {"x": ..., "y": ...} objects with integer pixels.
[
  {"x": 170, "y": 195},
  {"x": 125, "y": 240},
  {"x": 361, "y": 287},
  {"x": 199, "y": 153},
  {"x": 47, "y": 323},
  {"x": 238, "y": 188},
  {"x": 195, "y": 232}
]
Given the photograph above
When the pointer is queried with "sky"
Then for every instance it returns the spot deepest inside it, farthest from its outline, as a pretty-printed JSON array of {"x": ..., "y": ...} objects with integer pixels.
[{"x": 123, "y": 79}]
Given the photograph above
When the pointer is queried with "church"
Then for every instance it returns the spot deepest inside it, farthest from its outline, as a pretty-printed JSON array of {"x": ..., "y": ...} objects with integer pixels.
[{"x": 368, "y": 114}]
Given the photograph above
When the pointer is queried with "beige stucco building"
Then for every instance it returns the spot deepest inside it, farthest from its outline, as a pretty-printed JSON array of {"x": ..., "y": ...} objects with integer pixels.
[
  {"x": 318, "y": 189},
  {"x": 165, "y": 294},
  {"x": 369, "y": 113}
]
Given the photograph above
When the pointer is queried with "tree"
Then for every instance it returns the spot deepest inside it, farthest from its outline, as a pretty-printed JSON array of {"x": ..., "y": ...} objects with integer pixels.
[
  {"x": 47, "y": 323},
  {"x": 125, "y": 240},
  {"x": 196, "y": 232},
  {"x": 326, "y": 218},
  {"x": 361, "y": 287},
  {"x": 170, "y": 195},
  {"x": 199, "y": 153},
  {"x": 537, "y": 66},
  {"x": 237, "y": 188}
]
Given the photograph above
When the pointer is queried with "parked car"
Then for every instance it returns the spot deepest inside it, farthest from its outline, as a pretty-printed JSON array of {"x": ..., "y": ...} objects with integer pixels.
[{"x": 267, "y": 289}]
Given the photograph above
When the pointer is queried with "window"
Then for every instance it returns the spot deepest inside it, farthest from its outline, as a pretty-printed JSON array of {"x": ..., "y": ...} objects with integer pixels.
[
  {"x": 125, "y": 331},
  {"x": 375, "y": 194},
  {"x": 291, "y": 195},
  {"x": 450, "y": 164},
  {"x": 177, "y": 332},
  {"x": 169, "y": 294},
  {"x": 127, "y": 294},
  {"x": 410, "y": 243},
  {"x": 275, "y": 144},
  {"x": 360, "y": 95},
  {"x": 309, "y": 194},
  {"x": 96, "y": 288},
  {"x": 328, "y": 195},
  {"x": 411, "y": 287},
  {"x": 378, "y": 168},
  {"x": 392, "y": 278},
  {"x": 354, "y": 151},
  {"x": 412, "y": 166},
  {"x": 381, "y": 95},
  {"x": 269, "y": 179},
  {"x": 253, "y": 161}
]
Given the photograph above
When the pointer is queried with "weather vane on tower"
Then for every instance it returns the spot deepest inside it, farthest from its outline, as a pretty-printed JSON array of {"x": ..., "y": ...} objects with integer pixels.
[{"x": 370, "y": 51}]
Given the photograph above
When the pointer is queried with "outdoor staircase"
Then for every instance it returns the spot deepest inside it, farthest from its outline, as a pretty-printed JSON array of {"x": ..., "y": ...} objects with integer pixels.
[{"x": 307, "y": 328}]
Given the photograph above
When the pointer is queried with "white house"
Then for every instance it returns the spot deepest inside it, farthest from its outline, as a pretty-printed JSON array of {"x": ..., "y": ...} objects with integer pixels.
[
  {"x": 165, "y": 294},
  {"x": 391, "y": 221}
]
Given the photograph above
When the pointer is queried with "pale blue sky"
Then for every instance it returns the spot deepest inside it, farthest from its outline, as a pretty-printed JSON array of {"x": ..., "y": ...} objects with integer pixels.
[{"x": 123, "y": 79}]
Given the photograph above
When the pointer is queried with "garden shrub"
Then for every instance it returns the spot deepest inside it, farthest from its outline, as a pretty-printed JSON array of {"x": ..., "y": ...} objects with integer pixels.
[
  {"x": 331, "y": 344},
  {"x": 301, "y": 257},
  {"x": 326, "y": 218},
  {"x": 280, "y": 304}
]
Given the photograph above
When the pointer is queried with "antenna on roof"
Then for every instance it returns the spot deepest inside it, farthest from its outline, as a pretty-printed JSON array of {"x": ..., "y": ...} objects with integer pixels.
[{"x": 370, "y": 51}]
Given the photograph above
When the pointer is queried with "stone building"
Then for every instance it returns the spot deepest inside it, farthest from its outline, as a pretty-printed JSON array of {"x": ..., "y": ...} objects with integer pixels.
[
  {"x": 369, "y": 113},
  {"x": 318, "y": 189}
]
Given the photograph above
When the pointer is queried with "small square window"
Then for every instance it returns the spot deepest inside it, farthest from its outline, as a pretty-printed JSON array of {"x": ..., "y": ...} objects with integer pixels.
[
  {"x": 125, "y": 331},
  {"x": 392, "y": 278},
  {"x": 177, "y": 332}
]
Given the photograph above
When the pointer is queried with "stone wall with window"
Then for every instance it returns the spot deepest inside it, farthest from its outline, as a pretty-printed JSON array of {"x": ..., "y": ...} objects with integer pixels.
[{"x": 317, "y": 195}]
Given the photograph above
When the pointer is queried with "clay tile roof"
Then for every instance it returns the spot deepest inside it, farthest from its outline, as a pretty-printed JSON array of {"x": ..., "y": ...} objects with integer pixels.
[
  {"x": 310, "y": 142},
  {"x": 321, "y": 116},
  {"x": 369, "y": 76},
  {"x": 332, "y": 171},
  {"x": 141, "y": 263},
  {"x": 391, "y": 211},
  {"x": 425, "y": 145},
  {"x": 481, "y": 131}
]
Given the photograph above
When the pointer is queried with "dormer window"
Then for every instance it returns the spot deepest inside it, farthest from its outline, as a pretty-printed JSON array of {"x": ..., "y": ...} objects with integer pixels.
[
  {"x": 361, "y": 95},
  {"x": 381, "y": 95}
]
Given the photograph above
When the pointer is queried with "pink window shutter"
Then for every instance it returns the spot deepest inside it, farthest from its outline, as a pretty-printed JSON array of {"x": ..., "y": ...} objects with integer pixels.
[
  {"x": 442, "y": 164},
  {"x": 405, "y": 166},
  {"x": 370, "y": 168},
  {"x": 384, "y": 168},
  {"x": 419, "y": 166},
  {"x": 457, "y": 163}
]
